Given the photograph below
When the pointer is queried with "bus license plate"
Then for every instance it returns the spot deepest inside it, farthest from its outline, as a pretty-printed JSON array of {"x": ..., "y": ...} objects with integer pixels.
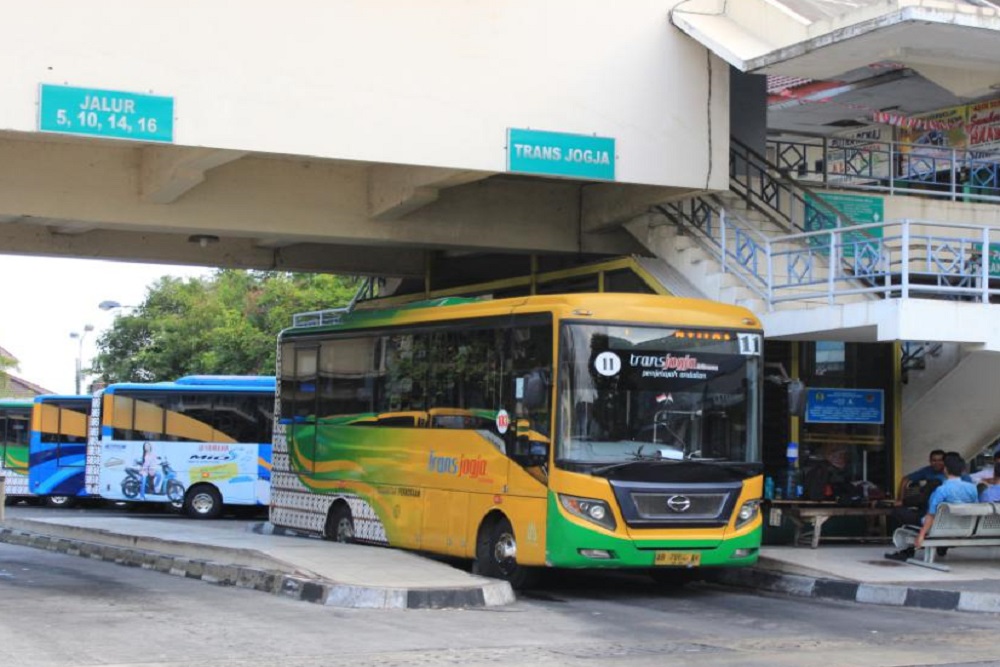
[{"x": 677, "y": 558}]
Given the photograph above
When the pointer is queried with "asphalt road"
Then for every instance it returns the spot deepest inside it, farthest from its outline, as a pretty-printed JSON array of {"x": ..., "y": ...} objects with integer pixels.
[{"x": 58, "y": 610}]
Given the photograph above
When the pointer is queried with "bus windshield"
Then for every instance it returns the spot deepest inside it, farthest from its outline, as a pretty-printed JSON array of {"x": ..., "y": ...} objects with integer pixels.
[{"x": 629, "y": 393}]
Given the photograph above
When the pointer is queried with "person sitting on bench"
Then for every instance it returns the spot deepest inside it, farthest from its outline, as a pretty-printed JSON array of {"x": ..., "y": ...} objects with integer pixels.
[{"x": 953, "y": 491}]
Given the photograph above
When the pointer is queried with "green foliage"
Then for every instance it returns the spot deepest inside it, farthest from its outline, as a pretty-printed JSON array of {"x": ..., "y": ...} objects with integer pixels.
[
  {"x": 224, "y": 324},
  {"x": 6, "y": 364}
]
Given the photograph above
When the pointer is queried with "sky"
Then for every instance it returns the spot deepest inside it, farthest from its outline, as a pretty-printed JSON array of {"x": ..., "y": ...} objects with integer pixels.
[{"x": 47, "y": 299}]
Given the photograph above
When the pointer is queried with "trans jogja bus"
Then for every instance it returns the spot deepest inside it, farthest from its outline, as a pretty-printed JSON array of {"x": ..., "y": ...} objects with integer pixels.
[
  {"x": 15, "y": 433},
  {"x": 57, "y": 454},
  {"x": 572, "y": 431},
  {"x": 198, "y": 444}
]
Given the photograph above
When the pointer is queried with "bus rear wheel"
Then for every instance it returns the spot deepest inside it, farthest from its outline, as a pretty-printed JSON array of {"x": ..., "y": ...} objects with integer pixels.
[
  {"x": 203, "y": 502},
  {"x": 496, "y": 555},
  {"x": 339, "y": 524},
  {"x": 59, "y": 501}
]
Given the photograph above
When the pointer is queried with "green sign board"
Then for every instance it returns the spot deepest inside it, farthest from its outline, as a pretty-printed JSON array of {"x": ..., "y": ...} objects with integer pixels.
[
  {"x": 560, "y": 154},
  {"x": 857, "y": 209},
  {"x": 105, "y": 113}
]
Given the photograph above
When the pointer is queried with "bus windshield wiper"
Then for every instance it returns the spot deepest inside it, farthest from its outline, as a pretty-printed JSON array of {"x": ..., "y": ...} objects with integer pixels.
[{"x": 646, "y": 459}]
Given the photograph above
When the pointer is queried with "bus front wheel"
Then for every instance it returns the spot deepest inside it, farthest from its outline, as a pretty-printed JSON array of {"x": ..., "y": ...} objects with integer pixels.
[
  {"x": 496, "y": 555},
  {"x": 339, "y": 524}
]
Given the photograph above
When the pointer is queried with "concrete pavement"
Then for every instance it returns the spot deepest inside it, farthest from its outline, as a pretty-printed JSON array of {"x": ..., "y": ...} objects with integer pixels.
[
  {"x": 223, "y": 552},
  {"x": 343, "y": 575},
  {"x": 861, "y": 573}
]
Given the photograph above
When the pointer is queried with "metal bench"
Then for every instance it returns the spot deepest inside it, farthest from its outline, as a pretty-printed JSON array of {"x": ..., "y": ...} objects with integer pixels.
[{"x": 960, "y": 525}]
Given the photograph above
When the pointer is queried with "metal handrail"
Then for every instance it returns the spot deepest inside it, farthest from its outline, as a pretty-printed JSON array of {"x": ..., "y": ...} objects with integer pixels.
[
  {"x": 888, "y": 166},
  {"x": 775, "y": 181},
  {"x": 317, "y": 318}
]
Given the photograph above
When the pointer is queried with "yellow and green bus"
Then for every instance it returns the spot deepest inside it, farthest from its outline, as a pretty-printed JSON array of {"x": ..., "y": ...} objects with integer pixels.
[{"x": 571, "y": 431}]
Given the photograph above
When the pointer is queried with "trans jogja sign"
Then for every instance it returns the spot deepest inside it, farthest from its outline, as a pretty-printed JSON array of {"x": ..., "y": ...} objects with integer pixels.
[{"x": 560, "y": 154}]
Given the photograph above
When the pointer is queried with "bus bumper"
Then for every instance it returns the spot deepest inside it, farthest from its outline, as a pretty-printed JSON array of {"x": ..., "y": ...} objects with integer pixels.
[{"x": 573, "y": 546}]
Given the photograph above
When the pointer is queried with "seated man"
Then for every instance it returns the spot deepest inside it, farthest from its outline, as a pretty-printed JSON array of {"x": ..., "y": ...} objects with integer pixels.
[
  {"x": 991, "y": 494},
  {"x": 988, "y": 474},
  {"x": 911, "y": 507},
  {"x": 954, "y": 490}
]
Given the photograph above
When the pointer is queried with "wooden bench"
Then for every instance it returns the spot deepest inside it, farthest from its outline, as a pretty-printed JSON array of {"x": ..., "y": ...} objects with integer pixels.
[
  {"x": 960, "y": 525},
  {"x": 808, "y": 519}
]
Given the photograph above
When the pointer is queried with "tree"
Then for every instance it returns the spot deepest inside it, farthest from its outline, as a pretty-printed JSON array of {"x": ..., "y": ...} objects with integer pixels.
[
  {"x": 223, "y": 324},
  {"x": 6, "y": 364}
]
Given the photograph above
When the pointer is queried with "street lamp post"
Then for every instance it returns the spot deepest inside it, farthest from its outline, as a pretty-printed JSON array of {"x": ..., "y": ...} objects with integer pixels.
[{"x": 79, "y": 336}]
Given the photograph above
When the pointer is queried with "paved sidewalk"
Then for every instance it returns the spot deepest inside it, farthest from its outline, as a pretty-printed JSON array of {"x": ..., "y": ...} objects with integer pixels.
[
  {"x": 306, "y": 568},
  {"x": 862, "y": 574}
]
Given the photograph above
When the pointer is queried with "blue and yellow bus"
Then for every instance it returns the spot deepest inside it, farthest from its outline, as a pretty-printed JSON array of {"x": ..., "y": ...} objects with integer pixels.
[
  {"x": 15, "y": 433},
  {"x": 57, "y": 453},
  {"x": 198, "y": 444},
  {"x": 574, "y": 431}
]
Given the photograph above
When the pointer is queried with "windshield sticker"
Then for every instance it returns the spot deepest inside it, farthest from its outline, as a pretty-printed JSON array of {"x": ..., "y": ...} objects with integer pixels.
[
  {"x": 503, "y": 421},
  {"x": 608, "y": 364},
  {"x": 749, "y": 344},
  {"x": 671, "y": 366}
]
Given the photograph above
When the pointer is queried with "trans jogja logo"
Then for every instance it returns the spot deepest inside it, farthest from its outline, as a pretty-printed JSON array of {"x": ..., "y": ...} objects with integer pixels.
[{"x": 459, "y": 466}]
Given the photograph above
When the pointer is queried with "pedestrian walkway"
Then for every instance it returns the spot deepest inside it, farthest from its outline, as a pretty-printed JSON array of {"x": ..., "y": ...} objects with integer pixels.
[
  {"x": 228, "y": 553},
  {"x": 861, "y": 573}
]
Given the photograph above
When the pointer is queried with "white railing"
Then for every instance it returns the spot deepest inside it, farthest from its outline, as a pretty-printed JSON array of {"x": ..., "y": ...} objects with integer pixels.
[{"x": 894, "y": 259}]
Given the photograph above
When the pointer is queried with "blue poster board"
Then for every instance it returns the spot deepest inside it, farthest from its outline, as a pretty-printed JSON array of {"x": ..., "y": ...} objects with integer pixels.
[{"x": 845, "y": 406}]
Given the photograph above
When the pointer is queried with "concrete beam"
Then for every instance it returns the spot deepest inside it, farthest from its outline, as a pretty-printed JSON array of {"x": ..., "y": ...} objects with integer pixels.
[
  {"x": 167, "y": 172},
  {"x": 395, "y": 190},
  {"x": 607, "y": 206},
  {"x": 238, "y": 253}
]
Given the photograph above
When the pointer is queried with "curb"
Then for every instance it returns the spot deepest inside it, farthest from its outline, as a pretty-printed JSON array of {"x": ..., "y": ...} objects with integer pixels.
[
  {"x": 276, "y": 582},
  {"x": 853, "y": 591}
]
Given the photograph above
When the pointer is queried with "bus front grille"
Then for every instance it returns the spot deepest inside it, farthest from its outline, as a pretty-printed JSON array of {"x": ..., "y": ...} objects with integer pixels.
[{"x": 650, "y": 505}]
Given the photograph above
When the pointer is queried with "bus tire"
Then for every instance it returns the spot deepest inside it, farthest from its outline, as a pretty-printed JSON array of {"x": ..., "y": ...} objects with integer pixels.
[
  {"x": 339, "y": 524},
  {"x": 203, "y": 502},
  {"x": 496, "y": 554},
  {"x": 59, "y": 501}
]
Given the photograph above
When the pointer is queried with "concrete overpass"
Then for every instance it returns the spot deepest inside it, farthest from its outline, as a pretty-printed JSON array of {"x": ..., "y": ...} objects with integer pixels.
[{"x": 358, "y": 136}]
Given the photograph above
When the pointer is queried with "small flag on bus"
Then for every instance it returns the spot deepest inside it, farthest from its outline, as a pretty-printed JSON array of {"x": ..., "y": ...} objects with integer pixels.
[{"x": 664, "y": 398}]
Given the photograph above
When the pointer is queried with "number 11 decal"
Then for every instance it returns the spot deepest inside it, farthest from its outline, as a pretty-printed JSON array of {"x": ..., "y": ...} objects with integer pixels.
[{"x": 749, "y": 344}]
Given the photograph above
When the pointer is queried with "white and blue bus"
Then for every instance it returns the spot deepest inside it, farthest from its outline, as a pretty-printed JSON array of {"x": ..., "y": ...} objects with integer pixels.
[
  {"x": 199, "y": 443},
  {"x": 58, "y": 449}
]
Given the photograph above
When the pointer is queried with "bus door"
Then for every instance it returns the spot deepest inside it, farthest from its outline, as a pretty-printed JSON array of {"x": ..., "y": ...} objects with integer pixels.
[{"x": 300, "y": 374}]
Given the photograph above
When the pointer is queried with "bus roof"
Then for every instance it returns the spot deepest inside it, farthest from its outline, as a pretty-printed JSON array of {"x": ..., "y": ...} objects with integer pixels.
[
  {"x": 249, "y": 383},
  {"x": 52, "y": 398},
  {"x": 16, "y": 402},
  {"x": 606, "y": 306},
  {"x": 228, "y": 380}
]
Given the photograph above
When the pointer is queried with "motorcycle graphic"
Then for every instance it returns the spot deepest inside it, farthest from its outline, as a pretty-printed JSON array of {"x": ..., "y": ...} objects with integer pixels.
[{"x": 164, "y": 483}]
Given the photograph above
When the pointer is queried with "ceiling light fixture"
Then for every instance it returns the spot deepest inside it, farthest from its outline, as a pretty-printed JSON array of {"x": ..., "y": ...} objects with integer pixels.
[{"x": 204, "y": 240}]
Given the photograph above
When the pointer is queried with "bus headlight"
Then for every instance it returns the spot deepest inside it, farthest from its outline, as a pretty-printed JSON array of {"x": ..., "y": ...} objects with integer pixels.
[
  {"x": 748, "y": 512},
  {"x": 591, "y": 509}
]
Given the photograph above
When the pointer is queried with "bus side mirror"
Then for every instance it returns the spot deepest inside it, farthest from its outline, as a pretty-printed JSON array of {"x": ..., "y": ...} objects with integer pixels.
[
  {"x": 535, "y": 391},
  {"x": 527, "y": 452}
]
